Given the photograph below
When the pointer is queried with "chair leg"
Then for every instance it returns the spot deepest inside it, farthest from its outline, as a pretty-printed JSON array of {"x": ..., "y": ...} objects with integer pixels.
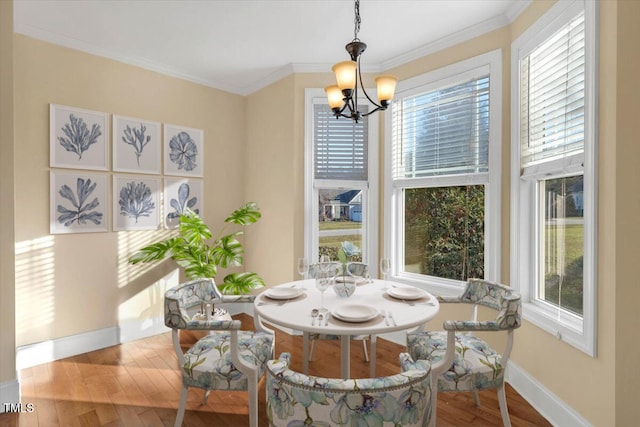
[
  {"x": 181, "y": 406},
  {"x": 313, "y": 350},
  {"x": 476, "y": 397},
  {"x": 205, "y": 397},
  {"x": 364, "y": 349},
  {"x": 253, "y": 400},
  {"x": 434, "y": 400},
  {"x": 502, "y": 401}
]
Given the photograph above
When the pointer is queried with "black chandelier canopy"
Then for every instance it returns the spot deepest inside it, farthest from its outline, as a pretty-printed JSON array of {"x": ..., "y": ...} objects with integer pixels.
[{"x": 343, "y": 96}]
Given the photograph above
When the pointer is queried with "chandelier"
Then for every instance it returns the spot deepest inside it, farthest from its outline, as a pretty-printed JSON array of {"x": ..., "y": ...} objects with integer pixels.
[{"x": 343, "y": 97}]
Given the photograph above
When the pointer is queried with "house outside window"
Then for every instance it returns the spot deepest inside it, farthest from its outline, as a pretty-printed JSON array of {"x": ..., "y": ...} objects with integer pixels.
[
  {"x": 553, "y": 209},
  {"x": 443, "y": 169},
  {"x": 340, "y": 161}
]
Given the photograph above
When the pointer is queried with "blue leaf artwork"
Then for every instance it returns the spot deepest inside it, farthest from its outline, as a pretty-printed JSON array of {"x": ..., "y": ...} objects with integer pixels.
[
  {"x": 137, "y": 139},
  {"x": 78, "y": 137},
  {"x": 136, "y": 200},
  {"x": 81, "y": 210},
  {"x": 182, "y": 202},
  {"x": 184, "y": 152}
]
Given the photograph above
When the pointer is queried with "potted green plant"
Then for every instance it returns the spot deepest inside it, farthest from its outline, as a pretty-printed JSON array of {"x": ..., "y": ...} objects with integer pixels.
[{"x": 199, "y": 259}]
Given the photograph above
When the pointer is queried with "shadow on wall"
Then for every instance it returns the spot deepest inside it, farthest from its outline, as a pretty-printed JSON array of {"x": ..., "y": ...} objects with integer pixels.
[{"x": 141, "y": 288}]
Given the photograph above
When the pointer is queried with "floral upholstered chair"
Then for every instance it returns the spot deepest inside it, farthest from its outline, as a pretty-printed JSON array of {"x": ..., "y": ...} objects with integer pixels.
[
  {"x": 295, "y": 399},
  {"x": 229, "y": 358},
  {"x": 474, "y": 365},
  {"x": 359, "y": 268}
]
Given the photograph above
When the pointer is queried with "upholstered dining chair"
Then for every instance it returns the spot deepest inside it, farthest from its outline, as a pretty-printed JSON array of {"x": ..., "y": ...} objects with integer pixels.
[
  {"x": 294, "y": 398},
  {"x": 336, "y": 267},
  {"x": 225, "y": 359},
  {"x": 474, "y": 365}
]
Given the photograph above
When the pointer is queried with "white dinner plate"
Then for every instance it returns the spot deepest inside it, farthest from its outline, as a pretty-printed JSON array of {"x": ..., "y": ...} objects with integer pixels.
[
  {"x": 407, "y": 292},
  {"x": 355, "y": 313},
  {"x": 283, "y": 292}
]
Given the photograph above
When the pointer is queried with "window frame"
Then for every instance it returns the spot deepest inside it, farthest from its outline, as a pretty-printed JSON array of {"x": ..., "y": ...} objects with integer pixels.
[
  {"x": 312, "y": 185},
  {"x": 491, "y": 63},
  {"x": 578, "y": 331}
]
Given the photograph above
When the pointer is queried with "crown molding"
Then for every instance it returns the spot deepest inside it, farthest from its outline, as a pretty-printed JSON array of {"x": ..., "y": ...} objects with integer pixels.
[{"x": 442, "y": 43}]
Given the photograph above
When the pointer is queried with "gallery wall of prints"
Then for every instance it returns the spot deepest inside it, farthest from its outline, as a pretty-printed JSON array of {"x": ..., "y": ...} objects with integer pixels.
[{"x": 152, "y": 171}]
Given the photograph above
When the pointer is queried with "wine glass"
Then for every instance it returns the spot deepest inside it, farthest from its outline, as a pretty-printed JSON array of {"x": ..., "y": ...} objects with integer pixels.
[
  {"x": 385, "y": 267},
  {"x": 324, "y": 263},
  {"x": 303, "y": 267},
  {"x": 322, "y": 283}
]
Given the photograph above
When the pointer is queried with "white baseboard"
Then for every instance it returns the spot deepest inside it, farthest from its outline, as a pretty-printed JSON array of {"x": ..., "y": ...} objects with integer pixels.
[
  {"x": 9, "y": 393},
  {"x": 48, "y": 351},
  {"x": 134, "y": 329},
  {"x": 544, "y": 401}
]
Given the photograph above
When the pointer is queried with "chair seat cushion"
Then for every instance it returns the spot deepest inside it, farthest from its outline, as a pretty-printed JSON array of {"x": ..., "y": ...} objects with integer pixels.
[
  {"x": 208, "y": 363},
  {"x": 476, "y": 366}
]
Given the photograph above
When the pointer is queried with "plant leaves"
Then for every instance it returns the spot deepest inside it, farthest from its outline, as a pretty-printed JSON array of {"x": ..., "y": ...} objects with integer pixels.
[
  {"x": 228, "y": 253},
  {"x": 240, "y": 283},
  {"x": 247, "y": 214},
  {"x": 153, "y": 252}
]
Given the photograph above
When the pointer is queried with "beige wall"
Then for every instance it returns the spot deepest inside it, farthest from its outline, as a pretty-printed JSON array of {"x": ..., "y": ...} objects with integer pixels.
[
  {"x": 7, "y": 273},
  {"x": 627, "y": 202},
  {"x": 75, "y": 283},
  {"x": 271, "y": 181}
]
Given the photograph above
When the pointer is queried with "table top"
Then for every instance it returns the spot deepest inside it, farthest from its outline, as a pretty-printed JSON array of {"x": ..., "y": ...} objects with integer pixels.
[{"x": 296, "y": 313}]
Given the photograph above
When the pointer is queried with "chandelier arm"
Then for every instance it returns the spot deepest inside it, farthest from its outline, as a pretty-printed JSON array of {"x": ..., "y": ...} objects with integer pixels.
[{"x": 364, "y": 91}]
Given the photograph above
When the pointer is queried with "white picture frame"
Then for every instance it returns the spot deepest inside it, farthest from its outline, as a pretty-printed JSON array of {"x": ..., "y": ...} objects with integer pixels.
[
  {"x": 137, "y": 145},
  {"x": 179, "y": 194},
  {"x": 78, "y": 138},
  {"x": 136, "y": 202},
  {"x": 79, "y": 202},
  {"x": 183, "y": 151}
]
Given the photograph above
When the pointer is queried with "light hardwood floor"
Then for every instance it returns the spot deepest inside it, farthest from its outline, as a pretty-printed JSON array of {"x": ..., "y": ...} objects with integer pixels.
[{"x": 138, "y": 384}]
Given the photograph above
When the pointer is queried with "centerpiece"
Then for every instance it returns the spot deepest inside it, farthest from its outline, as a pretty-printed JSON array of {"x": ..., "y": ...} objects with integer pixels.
[{"x": 345, "y": 284}]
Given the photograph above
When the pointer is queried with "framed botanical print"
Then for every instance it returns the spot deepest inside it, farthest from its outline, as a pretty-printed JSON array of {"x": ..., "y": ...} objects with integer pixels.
[
  {"x": 180, "y": 194},
  {"x": 183, "y": 151},
  {"x": 79, "y": 202},
  {"x": 78, "y": 138},
  {"x": 137, "y": 146},
  {"x": 136, "y": 202}
]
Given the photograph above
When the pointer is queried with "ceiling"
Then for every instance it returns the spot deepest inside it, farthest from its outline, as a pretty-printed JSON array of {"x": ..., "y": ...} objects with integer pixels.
[{"x": 241, "y": 46}]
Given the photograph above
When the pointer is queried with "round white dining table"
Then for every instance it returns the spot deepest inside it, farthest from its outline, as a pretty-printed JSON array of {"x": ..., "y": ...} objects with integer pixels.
[{"x": 372, "y": 301}]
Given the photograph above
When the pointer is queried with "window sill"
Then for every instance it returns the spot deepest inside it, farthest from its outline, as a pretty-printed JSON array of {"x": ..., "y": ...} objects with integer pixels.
[{"x": 565, "y": 326}]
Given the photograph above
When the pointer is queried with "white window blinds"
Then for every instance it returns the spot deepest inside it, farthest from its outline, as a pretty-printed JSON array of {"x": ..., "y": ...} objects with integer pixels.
[
  {"x": 340, "y": 146},
  {"x": 442, "y": 132},
  {"x": 552, "y": 97}
]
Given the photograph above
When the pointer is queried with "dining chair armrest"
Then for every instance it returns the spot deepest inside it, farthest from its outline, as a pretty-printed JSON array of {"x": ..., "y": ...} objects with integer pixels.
[
  {"x": 448, "y": 299},
  {"x": 213, "y": 325},
  {"x": 281, "y": 364},
  {"x": 408, "y": 364},
  {"x": 469, "y": 325},
  {"x": 230, "y": 299}
]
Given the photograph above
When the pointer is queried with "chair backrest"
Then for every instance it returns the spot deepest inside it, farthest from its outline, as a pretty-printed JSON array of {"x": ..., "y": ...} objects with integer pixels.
[
  {"x": 334, "y": 268},
  {"x": 359, "y": 269},
  {"x": 498, "y": 297},
  {"x": 401, "y": 399}
]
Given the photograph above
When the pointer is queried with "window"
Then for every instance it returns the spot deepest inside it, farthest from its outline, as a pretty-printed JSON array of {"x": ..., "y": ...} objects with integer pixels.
[
  {"x": 553, "y": 172},
  {"x": 341, "y": 156},
  {"x": 444, "y": 175}
]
